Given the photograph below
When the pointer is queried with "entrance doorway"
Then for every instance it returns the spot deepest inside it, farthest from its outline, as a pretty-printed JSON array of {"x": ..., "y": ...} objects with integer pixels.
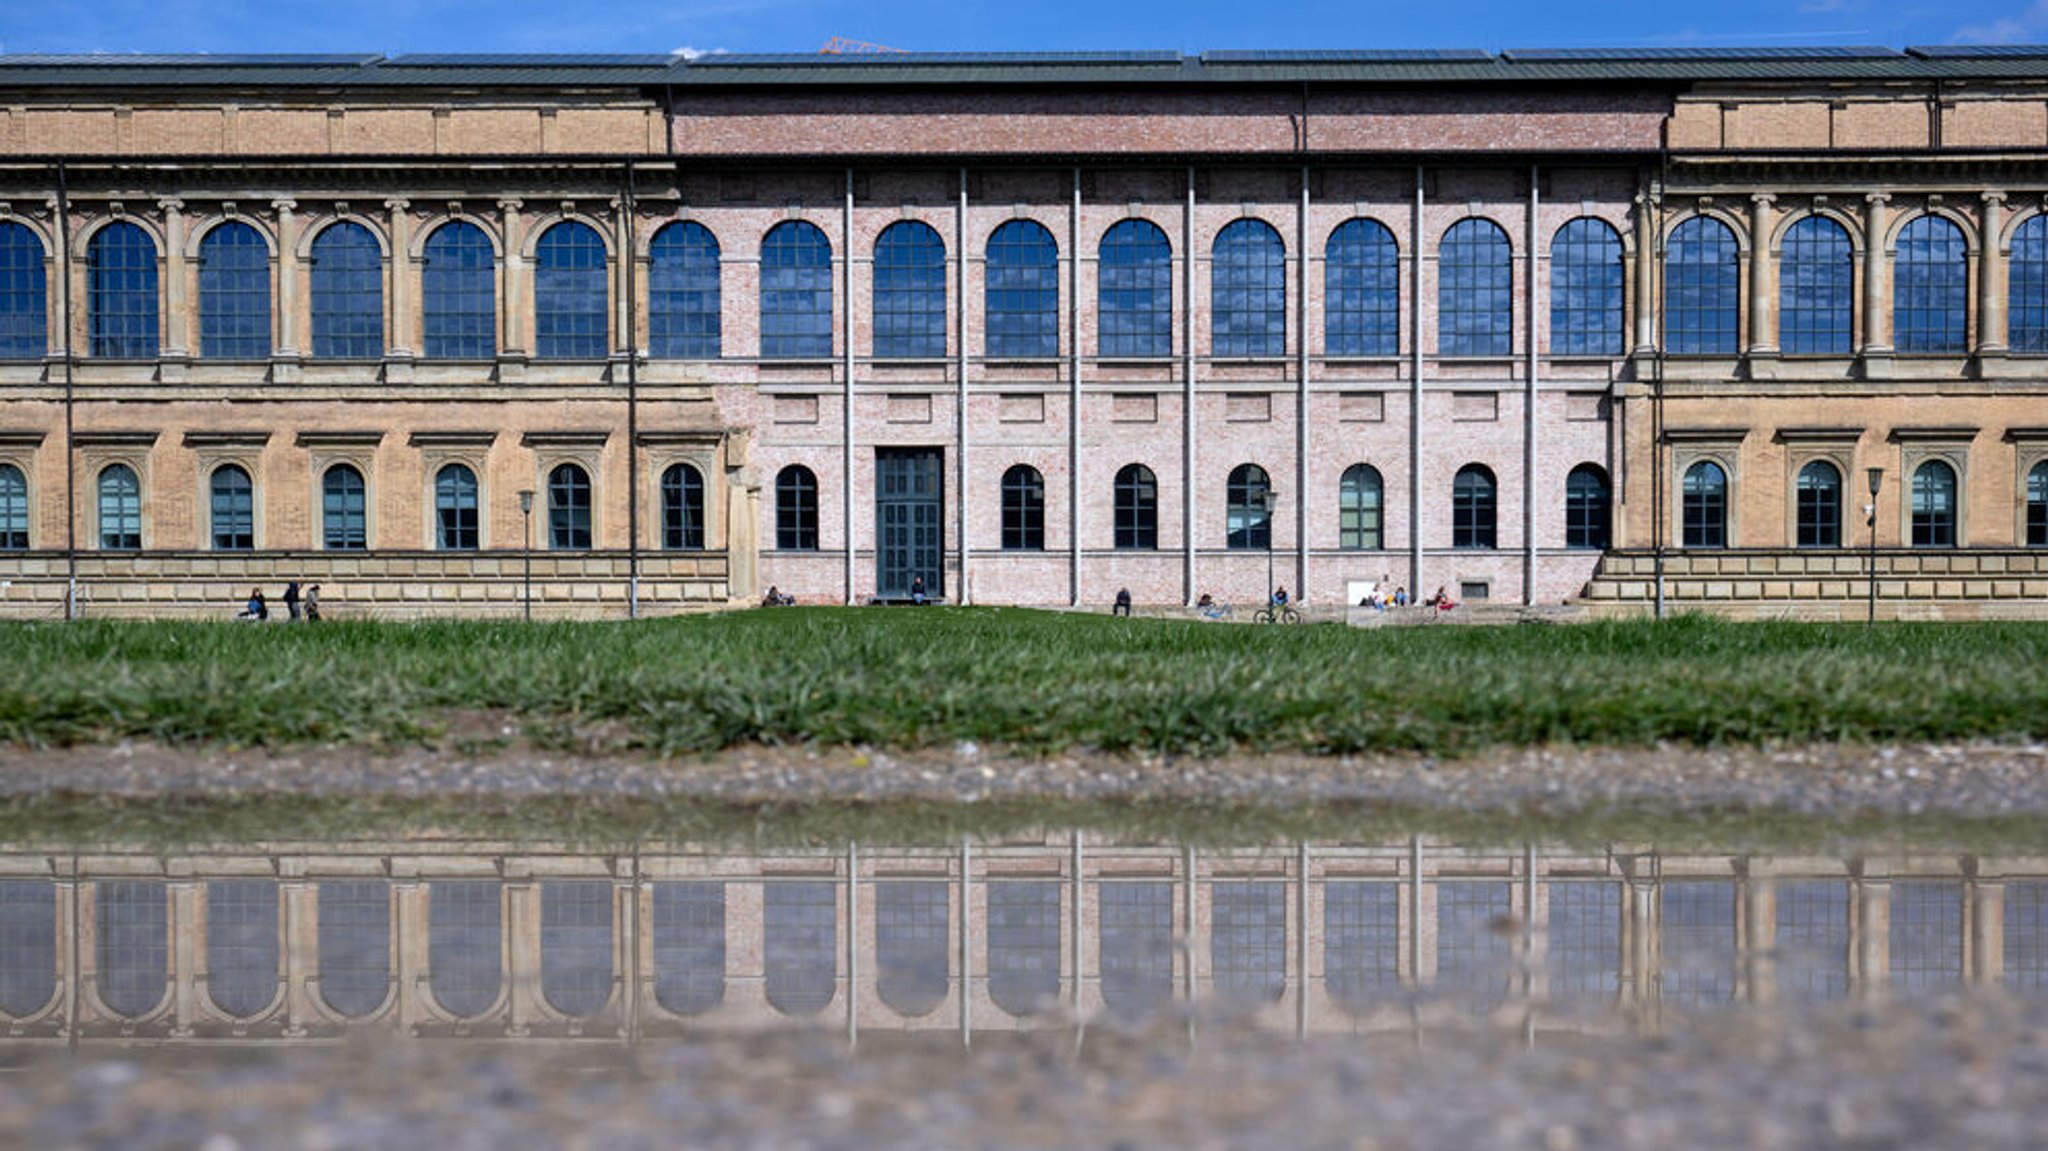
[{"x": 910, "y": 520}]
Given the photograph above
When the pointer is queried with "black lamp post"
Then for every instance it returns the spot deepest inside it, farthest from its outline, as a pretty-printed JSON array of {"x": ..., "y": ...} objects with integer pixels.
[
  {"x": 1270, "y": 499},
  {"x": 1876, "y": 476},
  {"x": 526, "y": 578}
]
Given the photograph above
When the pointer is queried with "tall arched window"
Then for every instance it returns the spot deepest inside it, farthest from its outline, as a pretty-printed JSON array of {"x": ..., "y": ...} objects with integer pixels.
[
  {"x": 1135, "y": 940},
  {"x": 1023, "y": 509},
  {"x": 28, "y": 921},
  {"x": 1248, "y": 940},
  {"x": 1475, "y": 308},
  {"x": 347, "y": 282},
  {"x": 234, "y": 509},
  {"x": 1934, "y": 505},
  {"x": 1816, "y": 285},
  {"x": 455, "y": 515},
  {"x": 241, "y": 945},
  {"x": 688, "y": 927},
  {"x": 1586, "y": 508},
  {"x": 354, "y": 939},
  {"x": 134, "y": 944},
  {"x": 1248, "y": 522},
  {"x": 1474, "y": 508},
  {"x": 1023, "y": 945},
  {"x": 683, "y": 293},
  {"x": 465, "y": 945},
  {"x": 1359, "y": 509},
  {"x": 1248, "y": 291},
  {"x": 2037, "y": 507},
  {"x": 1585, "y": 289},
  {"x": 1361, "y": 291},
  {"x": 234, "y": 293},
  {"x": 910, "y": 292},
  {"x": 120, "y": 509},
  {"x": 2027, "y": 311},
  {"x": 1703, "y": 513},
  {"x": 1021, "y": 310},
  {"x": 568, "y": 508},
  {"x": 121, "y": 304},
  {"x": 576, "y": 945},
  {"x": 796, "y": 509},
  {"x": 1700, "y": 289},
  {"x": 796, "y": 293},
  {"x": 24, "y": 294},
  {"x": 459, "y": 294},
  {"x": 1820, "y": 506},
  {"x": 1930, "y": 287},
  {"x": 1137, "y": 508},
  {"x": 569, "y": 294},
  {"x": 344, "y": 510},
  {"x": 13, "y": 508},
  {"x": 911, "y": 952},
  {"x": 682, "y": 508},
  {"x": 800, "y": 944},
  {"x": 1134, "y": 292}
]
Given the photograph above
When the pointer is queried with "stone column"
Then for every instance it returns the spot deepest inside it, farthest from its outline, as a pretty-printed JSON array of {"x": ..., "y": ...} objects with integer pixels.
[
  {"x": 1646, "y": 276},
  {"x": 1763, "y": 317},
  {"x": 402, "y": 280},
  {"x": 188, "y": 951},
  {"x": 178, "y": 313},
  {"x": 1987, "y": 932},
  {"x": 1873, "y": 945},
  {"x": 624, "y": 287},
  {"x": 287, "y": 280},
  {"x": 1877, "y": 328},
  {"x": 1991, "y": 322},
  {"x": 409, "y": 945},
  {"x": 522, "y": 954},
  {"x": 512, "y": 303},
  {"x": 300, "y": 910}
]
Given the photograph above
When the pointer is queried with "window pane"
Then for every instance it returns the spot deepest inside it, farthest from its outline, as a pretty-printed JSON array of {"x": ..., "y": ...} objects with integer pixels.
[
  {"x": 1248, "y": 940},
  {"x": 1137, "y": 508},
  {"x": 796, "y": 292},
  {"x": 1934, "y": 506},
  {"x": 1820, "y": 506},
  {"x": 1815, "y": 289},
  {"x": 1926, "y": 936},
  {"x": 569, "y": 294},
  {"x": 121, "y": 304},
  {"x": 347, "y": 281},
  {"x": 1136, "y": 944},
  {"x": 1361, "y": 291},
  {"x": 796, "y": 509},
  {"x": 576, "y": 945},
  {"x": 133, "y": 917},
  {"x": 120, "y": 509},
  {"x": 24, "y": 294},
  {"x": 1704, "y": 515},
  {"x": 234, "y": 510},
  {"x": 1024, "y": 946},
  {"x": 689, "y": 946},
  {"x": 1930, "y": 287},
  {"x": 2037, "y": 507},
  {"x": 682, "y": 508},
  {"x": 1248, "y": 292},
  {"x": 568, "y": 508},
  {"x": 465, "y": 949},
  {"x": 1361, "y": 941},
  {"x": 344, "y": 510},
  {"x": 1584, "y": 953},
  {"x": 1585, "y": 290},
  {"x": 242, "y": 944},
  {"x": 1475, "y": 291},
  {"x": 911, "y": 950},
  {"x": 1700, "y": 289},
  {"x": 1699, "y": 943},
  {"x": 1586, "y": 509},
  {"x": 910, "y": 292},
  {"x": 683, "y": 293},
  {"x": 1021, "y": 310},
  {"x": 1813, "y": 940},
  {"x": 1023, "y": 509},
  {"x": 28, "y": 945},
  {"x": 13, "y": 508},
  {"x": 355, "y": 945},
  {"x": 1473, "y": 509},
  {"x": 234, "y": 294},
  {"x": 799, "y": 934},
  {"x": 458, "y": 294},
  {"x": 1358, "y": 509},
  {"x": 455, "y": 509},
  {"x": 2028, "y": 285},
  {"x": 1248, "y": 525},
  {"x": 1473, "y": 956},
  {"x": 1134, "y": 295}
]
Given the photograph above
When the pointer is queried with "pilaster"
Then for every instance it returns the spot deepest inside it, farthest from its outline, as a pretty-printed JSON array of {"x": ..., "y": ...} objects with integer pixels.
[
  {"x": 287, "y": 279},
  {"x": 178, "y": 312},
  {"x": 1877, "y": 328},
  {"x": 1763, "y": 312},
  {"x": 1991, "y": 323}
]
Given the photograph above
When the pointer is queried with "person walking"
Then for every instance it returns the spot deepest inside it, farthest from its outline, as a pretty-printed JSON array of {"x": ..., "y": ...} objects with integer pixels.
[
  {"x": 312, "y": 603},
  {"x": 291, "y": 600}
]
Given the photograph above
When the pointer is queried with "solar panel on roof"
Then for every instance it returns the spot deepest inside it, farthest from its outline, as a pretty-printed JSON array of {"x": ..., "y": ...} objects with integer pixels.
[
  {"x": 1981, "y": 52},
  {"x": 1341, "y": 55},
  {"x": 537, "y": 60},
  {"x": 182, "y": 59},
  {"x": 1535, "y": 55}
]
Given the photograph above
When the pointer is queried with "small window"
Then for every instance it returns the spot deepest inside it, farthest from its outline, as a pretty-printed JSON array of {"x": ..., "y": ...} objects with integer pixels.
[
  {"x": 1934, "y": 505},
  {"x": 1820, "y": 506},
  {"x": 344, "y": 510},
  {"x": 1586, "y": 508},
  {"x": 1816, "y": 277},
  {"x": 2037, "y": 507},
  {"x": 234, "y": 294},
  {"x": 1474, "y": 589},
  {"x": 24, "y": 294},
  {"x": 796, "y": 293},
  {"x": 1475, "y": 290},
  {"x": 1930, "y": 287},
  {"x": 568, "y": 508},
  {"x": 1023, "y": 509},
  {"x": 347, "y": 282},
  {"x": 1248, "y": 522},
  {"x": 455, "y": 513},
  {"x": 1704, "y": 512},
  {"x": 682, "y": 508},
  {"x": 234, "y": 510},
  {"x": 2028, "y": 286},
  {"x": 121, "y": 303},
  {"x": 1248, "y": 292},
  {"x": 1021, "y": 310},
  {"x": 1359, "y": 509},
  {"x": 120, "y": 509},
  {"x": 1134, "y": 292},
  {"x": 13, "y": 508},
  {"x": 1473, "y": 508},
  {"x": 569, "y": 294},
  {"x": 1585, "y": 290},
  {"x": 683, "y": 293},
  {"x": 459, "y": 295},
  {"x": 1137, "y": 508},
  {"x": 1700, "y": 289},
  {"x": 1361, "y": 291},
  {"x": 796, "y": 509},
  {"x": 910, "y": 292}
]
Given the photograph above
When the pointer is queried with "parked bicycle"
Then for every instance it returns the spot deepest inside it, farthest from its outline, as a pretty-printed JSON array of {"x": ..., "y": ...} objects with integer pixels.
[{"x": 1276, "y": 613}]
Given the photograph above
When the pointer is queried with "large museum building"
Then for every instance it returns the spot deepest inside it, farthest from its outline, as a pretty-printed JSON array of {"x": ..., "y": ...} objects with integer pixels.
[{"x": 1763, "y": 331}]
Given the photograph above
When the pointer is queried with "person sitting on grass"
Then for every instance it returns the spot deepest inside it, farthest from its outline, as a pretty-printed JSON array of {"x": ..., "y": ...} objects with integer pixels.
[
  {"x": 1209, "y": 608},
  {"x": 1441, "y": 601},
  {"x": 775, "y": 598},
  {"x": 255, "y": 609}
]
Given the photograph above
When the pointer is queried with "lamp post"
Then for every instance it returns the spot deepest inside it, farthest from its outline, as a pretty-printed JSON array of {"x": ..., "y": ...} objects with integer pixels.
[
  {"x": 1269, "y": 499},
  {"x": 1876, "y": 476},
  {"x": 526, "y": 577}
]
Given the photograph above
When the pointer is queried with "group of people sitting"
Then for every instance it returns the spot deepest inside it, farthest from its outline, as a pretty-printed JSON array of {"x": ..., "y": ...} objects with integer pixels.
[
  {"x": 1383, "y": 595},
  {"x": 776, "y": 597},
  {"x": 258, "y": 608}
]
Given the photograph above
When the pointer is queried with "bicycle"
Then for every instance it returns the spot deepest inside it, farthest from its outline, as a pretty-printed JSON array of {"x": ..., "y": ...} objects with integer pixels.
[{"x": 1276, "y": 613}]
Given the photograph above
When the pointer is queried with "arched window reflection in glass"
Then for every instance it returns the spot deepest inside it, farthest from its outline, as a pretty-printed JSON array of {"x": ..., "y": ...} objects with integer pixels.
[
  {"x": 1586, "y": 508},
  {"x": 1475, "y": 290},
  {"x": 1819, "y": 510},
  {"x": 121, "y": 304},
  {"x": 241, "y": 945},
  {"x": 455, "y": 515},
  {"x": 1359, "y": 509},
  {"x": 355, "y": 945},
  {"x": 1248, "y": 524},
  {"x": 234, "y": 293},
  {"x": 1361, "y": 291},
  {"x": 1248, "y": 292},
  {"x": 910, "y": 292},
  {"x": 1700, "y": 289},
  {"x": 682, "y": 508},
  {"x": 344, "y": 510},
  {"x": 1021, "y": 309},
  {"x": 2037, "y": 506},
  {"x": 24, "y": 294},
  {"x": 576, "y": 945},
  {"x": 459, "y": 295},
  {"x": 796, "y": 509},
  {"x": 1930, "y": 287},
  {"x": 568, "y": 508},
  {"x": 569, "y": 293},
  {"x": 28, "y": 945},
  {"x": 234, "y": 509},
  {"x": 911, "y": 952},
  {"x": 465, "y": 945},
  {"x": 1023, "y": 945},
  {"x": 683, "y": 293},
  {"x": 796, "y": 293},
  {"x": 120, "y": 509},
  {"x": 689, "y": 946},
  {"x": 1703, "y": 512},
  {"x": 1585, "y": 290},
  {"x": 347, "y": 282},
  {"x": 13, "y": 508},
  {"x": 1816, "y": 279},
  {"x": 1934, "y": 505},
  {"x": 134, "y": 944},
  {"x": 1023, "y": 509},
  {"x": 2027, "y": 272},
  {"x": 1474, "y": 510},
  {"x": 1137, "y": 508},
  {"x": 1134, "y": 294}
]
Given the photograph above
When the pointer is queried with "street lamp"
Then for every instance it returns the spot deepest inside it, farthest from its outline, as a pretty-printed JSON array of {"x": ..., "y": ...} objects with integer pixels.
[
  {"x": 1876, "y": 476},
  {"x": 1269, "y": 499},
  {"x": 526, "y": 578}
]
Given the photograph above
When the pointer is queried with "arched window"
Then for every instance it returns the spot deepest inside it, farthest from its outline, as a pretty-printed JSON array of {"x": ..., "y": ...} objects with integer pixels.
[
  {"x": 1930, "y": 287},
  {"x": 28, "y": 922},
  {"x": 347, "y": 283},
  {"x": 134, "y": 944},
  {"x": 911, "y": 972},
  {"x": 799, "y": 944},
  {"x": 1820, "y": 506},
  {"x": 1361, "y": 941},
  {"x": 1137, "y": 508},
  {"x": 682, "y": 508},
  {"x": 234, "y": 509},
  {"x": 1023, "y": 945},
  {"x": 13, "y": 508},
  {"x": 1361, "y": 291},
  {"x": 355, "y": 945},
  {"x": 1475, "y": 308},
  {"x": 683, "y": 293},
  {"x": 24, "y": 294},
  {"x": 344, "y": 510},
  {"x": 1474, "y": 509},
  {"x": 1021, "y": 309},
  {"x": 1359, "y": 509},
  {"x": 576, "y": 945},
  {"x": 1586, "y": 514},
  {"x": 1134, "y": 292},
  {"x": 1136, "y": 944},
  {"x": 1703, "y": 513},
  {"x": 2027, "y": 314},
  {"x": 796, "y": 293},
  {"x": 459, "y": 294},
  {"x": 689, "y": 946},
  {"x": 1248, "y": 940},
  {"x": 796, "y": 509},
  {"x": 1816, "y": 283},
  {"x": 1248, "y": 291},
  {"x": 121, "y": 305},
  {"x": 569, "y": 293},
  {"x": 455, "y": 515},
  {"x": 1585, "y": 289},
  {"x": 910, "y": 292},
  {"x": 465, "y": 949},
  {"x": 234, "y": 293},
  {"x": 1023, "y": 509},
  {"x": 2037, "y": 506},
  {"x": 1700, "y": 289},
  {"x": 1934, "y": 505},
  {"x": 568, "y": 508},
  {"x": 1248, "y": 521},
  {"x": 241, "y": 945},
  {"x": 120, "y": 509}
]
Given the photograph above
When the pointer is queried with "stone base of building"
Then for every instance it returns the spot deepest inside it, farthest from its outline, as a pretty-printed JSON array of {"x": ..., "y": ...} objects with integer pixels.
[{"x": 1972, "y": 584}]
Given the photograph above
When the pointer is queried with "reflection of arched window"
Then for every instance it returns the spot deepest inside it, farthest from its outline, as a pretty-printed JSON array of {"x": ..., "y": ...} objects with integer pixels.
[
  {"x": 1700, "y": 286},
  {"x": 1586, "y": 516},
  {"x": 796, "y": 292},
  {"x": 120, "y": 300},
  {"x": 1585, "y": 290},
  {"x": 28, "y": 924},
  {"x": 234, "y": 509},
  {"x": 1134, "y": 292},
  {"x": 1583, "y": 959},
  {"x": 799, "y": 944},
  {"x": 1930, "y": 287},
  {"x": 910, "y": 292},
  {"x": 1021, "y": 312},
  {"x": 344, "y": 510},
  {"x": 1475, "y": 290},
  {"x": 682, "y": 508},
  {"x": 1474, "y": 508},
  {"x": 1361, "y": 291},
  {"x": 465, "y": 952},
  {"x": 1925, "y": 933},
  {"x": 1820, "y": 506},
  {"x": 576, "y": 945},
  {"x": 569, "y": 293},
  {"x": 120, "y": 509},
  {"x": 2027, "y": 285},
  {"x": 689, "y": 946},
  {"x": 1023, "y": 945},
  {"x": 1934, "y": 505},
  {"x": 796, "y": 509},
  {"x": 910, "y": 945},
  {"x": 1703, "y": 513},
  {"x": 683, "y": 293},
  {"x": 1361, "y": 941},
  {"x": 1023, "y": 509},
  {"x": 24, "y": 294},
  {"x": 2037, "y": 506},
  {"x": 455, "y": 516},
  {"x": 355, "y": 945},
  {"x": 1248, "y": 939},
  {"x": 1248, "y": 291},
  {"x": 1137, "y": 508},
  {"x": 1473, "y": 956},
  {"x": 459, "y": 294},
  {"x": 241, "y": 944},
  {"x": 568, "y": 508},
  {"x": 1136, "y": 944},
  {"x": 1248, "y": 522},
  {"x": 1699, "y": 924},
  {"x": 234, "y": 293},
  {"x": 1359, "y": 508},
  {"x": 133, "y": 918},
  {"x": 13, "y": 508},
  {"x": 1816, "y": 277},
  {"x": 1811, "y": 944},
  {"x": 347, "y": 294}
]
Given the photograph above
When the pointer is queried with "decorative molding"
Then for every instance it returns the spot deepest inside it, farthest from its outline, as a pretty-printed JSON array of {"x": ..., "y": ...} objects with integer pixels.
[
  {"x": 1934, "y": 435},
  {"x": 331, "y": 440},
  {"x": 1705, "y": 435},
  {"x": 454, "y": 439},
  {"x": 564, "y": 439},
  {"x": 1818, "y": 435},
  {"x": 227, "y": 439},
  {"x": 111, "y": 439},
  {"x": 21, "y": 437}
]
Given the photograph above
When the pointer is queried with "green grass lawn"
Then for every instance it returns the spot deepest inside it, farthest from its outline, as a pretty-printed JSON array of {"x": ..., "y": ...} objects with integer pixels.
[{"x": 1031, "y": 680}]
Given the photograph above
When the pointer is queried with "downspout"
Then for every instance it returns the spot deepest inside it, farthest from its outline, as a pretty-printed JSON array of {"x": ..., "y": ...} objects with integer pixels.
[
  {"x": 1529, "y": 401},
  {"x": 1415, "y": 393},
  {"x": 965, "y": 591},
  {"x": 1301, "y": 382},
  {"x": 1187, "y": 396},
  {"x": 630, "y": 258},
  {"x": 846, "y": 384},
  {"x": 1657, "y": 497},
  {"x": 71, "y": 609}
]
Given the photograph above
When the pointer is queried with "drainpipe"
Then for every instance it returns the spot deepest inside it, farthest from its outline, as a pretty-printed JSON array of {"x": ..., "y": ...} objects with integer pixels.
[
  {"x": 633, "y": 411},
  {"x": 71, "y": 608}
]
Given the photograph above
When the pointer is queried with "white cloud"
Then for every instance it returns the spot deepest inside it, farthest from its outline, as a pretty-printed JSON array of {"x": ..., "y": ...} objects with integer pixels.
[
  {"x": 689, "y": 53},
  {"x": 2029, "y": 25}
]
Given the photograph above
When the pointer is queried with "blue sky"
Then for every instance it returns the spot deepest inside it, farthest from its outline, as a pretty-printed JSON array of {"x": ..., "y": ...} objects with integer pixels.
[{"x": 394, "y": 26}]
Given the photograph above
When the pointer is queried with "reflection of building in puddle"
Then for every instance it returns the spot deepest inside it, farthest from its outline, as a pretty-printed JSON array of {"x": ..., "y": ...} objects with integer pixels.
[{"x": 434, "y": 938}]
